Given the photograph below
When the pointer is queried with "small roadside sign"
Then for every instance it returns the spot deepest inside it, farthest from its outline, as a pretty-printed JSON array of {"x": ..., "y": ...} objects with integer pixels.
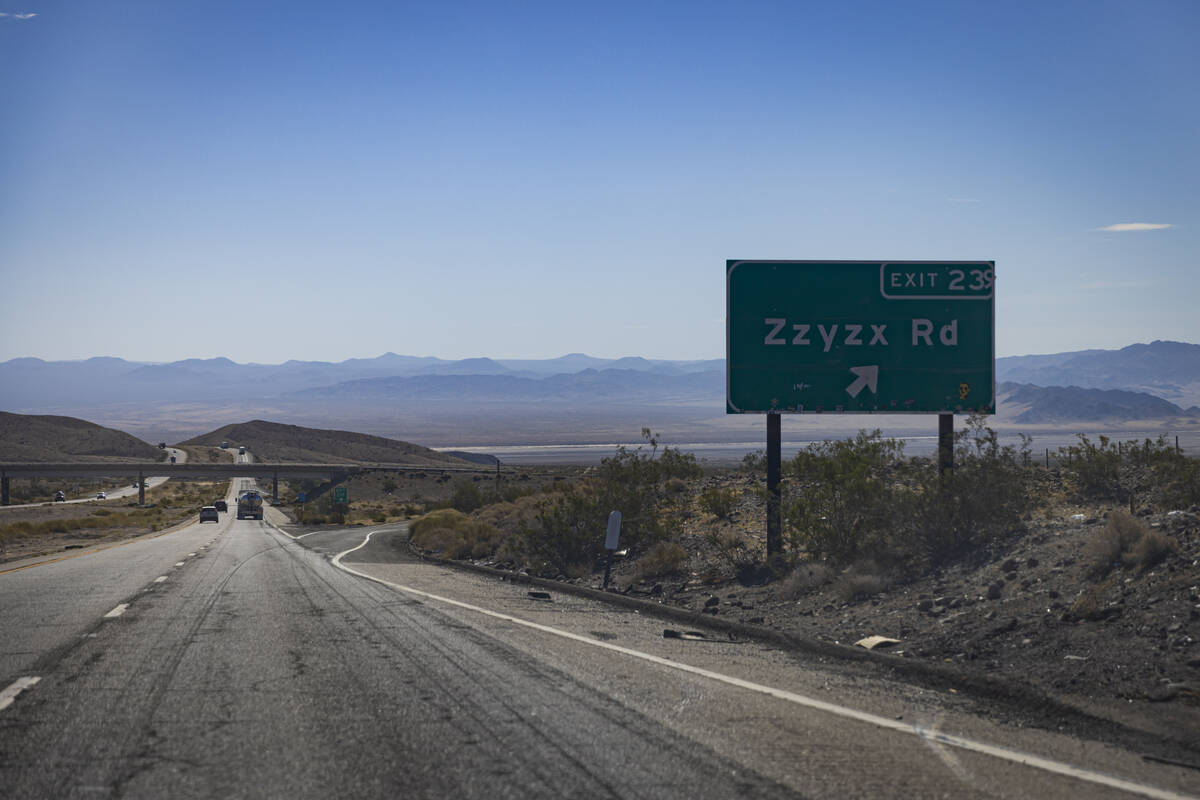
[
  {"x": 339, "y": 494},
  {"x": 300, "y": 498},
  {"x": 610, "y": 542},
  {"x": 614, "y": 531}
]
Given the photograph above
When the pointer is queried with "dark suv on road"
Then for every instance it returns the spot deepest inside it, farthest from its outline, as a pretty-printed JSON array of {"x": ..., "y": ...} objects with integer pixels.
[
  {"x": 221, "y": 505},
  {"x": 60, "y": 496},
  {"x": 209, "y": 513}
]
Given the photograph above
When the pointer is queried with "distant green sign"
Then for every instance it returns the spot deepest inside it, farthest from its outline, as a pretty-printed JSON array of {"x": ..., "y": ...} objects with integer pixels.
[
  {"x": 860, "y": 337},
  {"x": 339, "y": 494}
]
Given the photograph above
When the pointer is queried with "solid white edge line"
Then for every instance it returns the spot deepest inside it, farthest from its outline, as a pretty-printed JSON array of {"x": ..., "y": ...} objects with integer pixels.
[
  {"x": 963, "y": 743},
  {"x": 15, "y": 688},
  {"x": 116, "y": 612}
]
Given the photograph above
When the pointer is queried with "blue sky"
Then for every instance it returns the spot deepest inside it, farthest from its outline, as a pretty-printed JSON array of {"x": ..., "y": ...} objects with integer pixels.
[{"x": 274, "y": 180}]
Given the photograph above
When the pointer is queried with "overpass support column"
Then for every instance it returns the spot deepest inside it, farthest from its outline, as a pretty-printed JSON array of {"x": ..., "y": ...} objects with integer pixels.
[
  {"x": 141, "y": 489},
  {"x": 275, "y": 488},
  {"x": 3, "y": 489}
]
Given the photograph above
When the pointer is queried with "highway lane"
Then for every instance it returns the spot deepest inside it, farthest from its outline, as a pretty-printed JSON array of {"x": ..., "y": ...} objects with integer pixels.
[{"x": 259, "y": 668}]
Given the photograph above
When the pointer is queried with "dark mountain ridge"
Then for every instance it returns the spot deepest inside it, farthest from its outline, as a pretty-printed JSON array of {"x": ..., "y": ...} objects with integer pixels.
[{"x": 275, "y": 442}]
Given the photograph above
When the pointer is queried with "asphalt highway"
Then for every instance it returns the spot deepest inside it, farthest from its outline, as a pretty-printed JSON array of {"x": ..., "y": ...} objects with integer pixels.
[{"x": 238, "y": 660}]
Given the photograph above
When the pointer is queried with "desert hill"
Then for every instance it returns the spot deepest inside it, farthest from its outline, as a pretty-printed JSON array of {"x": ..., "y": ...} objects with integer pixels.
[
  {"x": 278, "y": 443},
  {"x": 1049, "y": 404},
  {"x": 26, "y": 437},
  {"x": 1170, "y": 370}
]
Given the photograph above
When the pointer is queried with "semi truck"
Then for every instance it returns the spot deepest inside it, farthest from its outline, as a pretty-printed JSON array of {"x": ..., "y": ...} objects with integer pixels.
[{"x": 250, "y": 505}]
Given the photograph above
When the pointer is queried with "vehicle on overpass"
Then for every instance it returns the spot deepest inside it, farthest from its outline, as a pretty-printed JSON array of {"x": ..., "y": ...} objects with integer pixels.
[
  {"x": 250, "y": 506},
  {"x": 60, "y": 496}
]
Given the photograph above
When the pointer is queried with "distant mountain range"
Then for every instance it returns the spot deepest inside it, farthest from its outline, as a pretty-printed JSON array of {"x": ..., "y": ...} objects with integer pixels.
[
  {"x": 1170, "y": 370},
  {"x": 574, "y": 398},
  {"x": 31, "y": 383}
]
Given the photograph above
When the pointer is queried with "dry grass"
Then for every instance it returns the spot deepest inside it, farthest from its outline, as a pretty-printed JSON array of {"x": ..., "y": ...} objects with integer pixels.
[
  {"x": 1125, "y": 541},
  {"x": 854, "y": 586},
  {"x": 665, "y": 558},
  {"x": 1087, "y": 604},
  {"x": 803, "y": 580},
  {"x": 718, "y": 502},
  {"x": 1150, "y": 550}
]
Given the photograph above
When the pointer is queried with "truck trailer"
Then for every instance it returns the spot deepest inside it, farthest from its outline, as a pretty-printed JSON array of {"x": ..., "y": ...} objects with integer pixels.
[{"x": 250, "y": 505}]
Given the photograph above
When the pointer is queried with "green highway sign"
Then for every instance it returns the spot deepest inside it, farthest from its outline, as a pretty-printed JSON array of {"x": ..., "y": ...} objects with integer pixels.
[
  {"x": 339, "y": 494},
  {"x": 874, "y": 337}
]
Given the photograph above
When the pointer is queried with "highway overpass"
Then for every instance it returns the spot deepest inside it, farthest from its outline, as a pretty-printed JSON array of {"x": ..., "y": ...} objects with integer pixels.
[{"x": 334, "y": 473}]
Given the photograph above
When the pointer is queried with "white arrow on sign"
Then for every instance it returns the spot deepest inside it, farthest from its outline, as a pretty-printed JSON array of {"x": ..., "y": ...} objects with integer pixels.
[{"x": 867, "y": 376}]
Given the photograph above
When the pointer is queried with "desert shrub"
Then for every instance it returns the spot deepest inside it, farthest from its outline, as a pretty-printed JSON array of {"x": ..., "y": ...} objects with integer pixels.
[
  {"x": 732, "y": 550},
  {"x": 567, "y": 531},
  {"x": 1176, "y": 480},
  {"x": 675, "y": 487},
  {"x": 755, "y": 462},
  {"x": 860, "y": 586},
  {"x": 466, "y": 497},
  {"x": 379, "y": 516},
  {"x": 1087, "y": 604},
  {"x": 718, "y": 502},
  {"x": 1096, "y": 468},
  {"x": 804, "y": 578},
  {"x": 1125, "y": 541},
  {"x": 846, "y": 503},
  {"x": 1150, "y": 550},
  {"x": 982, "y": 499},
  {"x": 1104, "y": 549},
  {"x": 453, "y": 534},
  {"x": 664, "y": 558},
  {"x": 857, "y": 498}
]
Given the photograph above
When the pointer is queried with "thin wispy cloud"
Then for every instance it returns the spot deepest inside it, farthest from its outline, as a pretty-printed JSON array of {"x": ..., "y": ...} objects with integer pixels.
[
  {"x": 1125, "y": 227},
  {"x": 1103, "y": 286},
  {"x": 17, "y": 16}
]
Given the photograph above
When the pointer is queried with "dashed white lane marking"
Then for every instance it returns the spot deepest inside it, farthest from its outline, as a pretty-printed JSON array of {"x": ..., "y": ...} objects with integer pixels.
[
  {"x": 15, "y": 688},
  {"x": 160, "y": 579},
  {"x": 190, "y": 555},
  {"x": 116, "y": 612},
  {"x": 961, "y": 742},
  {"x": 180, "y": 563}
]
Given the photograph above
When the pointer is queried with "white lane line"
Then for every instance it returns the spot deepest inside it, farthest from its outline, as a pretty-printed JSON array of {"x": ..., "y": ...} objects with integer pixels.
[
  {"x": 179, "y": 563},
  {"x": 15, "y": 688},
  {"x": 190, "y": 555},
  {"x": 116, "y": 612},
  {"x": 160, "y": 579},
  {"x": 961, "y": 742}
]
